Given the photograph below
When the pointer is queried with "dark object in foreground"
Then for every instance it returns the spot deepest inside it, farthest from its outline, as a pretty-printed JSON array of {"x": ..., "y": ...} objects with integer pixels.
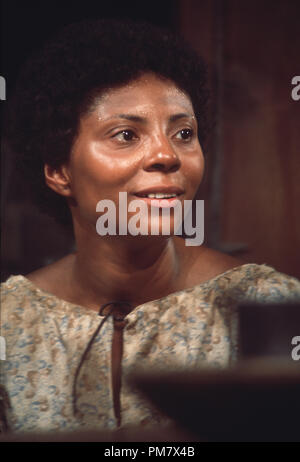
[
  {"x": 269, "y": 329},
  {"x": 254, "y": 401},
  {"x": 133, "y": 434}
]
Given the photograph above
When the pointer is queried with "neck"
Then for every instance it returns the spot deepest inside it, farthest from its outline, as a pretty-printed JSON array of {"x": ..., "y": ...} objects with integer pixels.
[{"x": 136, "y": 269}]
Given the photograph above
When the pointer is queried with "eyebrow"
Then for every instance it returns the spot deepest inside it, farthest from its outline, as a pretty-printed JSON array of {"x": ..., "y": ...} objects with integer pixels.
[{"x": 143, "y": 120}]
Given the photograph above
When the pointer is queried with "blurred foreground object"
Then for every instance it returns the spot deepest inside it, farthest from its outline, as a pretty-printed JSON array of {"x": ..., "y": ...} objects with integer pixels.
[
  {"x": 269, "y": 330},
  {"x": 257, "y": 400}
]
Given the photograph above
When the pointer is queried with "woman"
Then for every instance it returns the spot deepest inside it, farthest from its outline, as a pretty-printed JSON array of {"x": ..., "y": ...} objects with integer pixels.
[{"x": 110, "y": 107}]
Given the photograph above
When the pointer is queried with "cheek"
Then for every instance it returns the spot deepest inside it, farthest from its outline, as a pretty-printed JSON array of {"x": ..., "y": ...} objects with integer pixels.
[
  {"x": 195, "y": 170},
  {"x": 98, "y": 172}
]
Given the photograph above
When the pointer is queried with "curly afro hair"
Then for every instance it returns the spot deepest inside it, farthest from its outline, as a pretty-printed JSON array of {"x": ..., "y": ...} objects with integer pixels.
[{"x": 59, "y": 84}]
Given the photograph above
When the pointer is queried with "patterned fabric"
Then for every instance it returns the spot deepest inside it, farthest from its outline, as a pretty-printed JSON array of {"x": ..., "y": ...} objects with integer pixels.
[{"x": 46, "y": 336}]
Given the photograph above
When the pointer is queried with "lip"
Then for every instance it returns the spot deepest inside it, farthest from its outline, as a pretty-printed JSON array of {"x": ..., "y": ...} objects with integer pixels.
[
  {"x": 165, "y": 189},
  {"x": 161, "y": 203}
]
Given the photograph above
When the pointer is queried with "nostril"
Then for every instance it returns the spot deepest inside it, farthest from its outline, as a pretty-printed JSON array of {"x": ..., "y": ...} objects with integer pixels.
[
  {"x": 174, "y": 168},
  {"x": 157, "y": 166},
  {"x": 163, "y": 167}
]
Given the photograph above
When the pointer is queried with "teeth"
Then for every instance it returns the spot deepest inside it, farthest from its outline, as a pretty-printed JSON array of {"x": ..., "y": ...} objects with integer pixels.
[{"x": 160, "y": 196}]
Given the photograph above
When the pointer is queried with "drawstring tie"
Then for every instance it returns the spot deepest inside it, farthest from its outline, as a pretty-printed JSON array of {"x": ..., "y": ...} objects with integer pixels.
[{"x": 92, "y": 339}]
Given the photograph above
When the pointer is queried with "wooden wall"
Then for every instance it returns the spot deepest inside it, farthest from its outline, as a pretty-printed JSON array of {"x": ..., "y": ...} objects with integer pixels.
[{"x": 253, "y": 183}]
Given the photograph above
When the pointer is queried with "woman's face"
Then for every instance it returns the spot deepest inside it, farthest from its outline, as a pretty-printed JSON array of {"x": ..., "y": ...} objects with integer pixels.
[{"x": 139, "y": 138}]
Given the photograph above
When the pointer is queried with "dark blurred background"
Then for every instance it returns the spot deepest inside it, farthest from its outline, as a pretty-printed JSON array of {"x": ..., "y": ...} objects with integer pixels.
[{"x": 252, "y": 182}]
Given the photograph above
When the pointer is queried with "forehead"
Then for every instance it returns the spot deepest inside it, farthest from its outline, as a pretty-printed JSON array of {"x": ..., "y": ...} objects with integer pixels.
[{"x": 147, "y": 93}]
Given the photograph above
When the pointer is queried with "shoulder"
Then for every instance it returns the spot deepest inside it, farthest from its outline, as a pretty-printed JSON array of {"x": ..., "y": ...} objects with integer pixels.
[
  {"x": 272, "y": 286},
  {"x": 53, "y": 278},
  {"x": 218, "y": 262},
  {"x": 19, "y": 299},
  {"x": 18, "y": 308},
  {"x": 23, "y": 303},
  {"x": 14, "y": 289},
  {"x": 258, "y": 282},
  {"x": 204, "y": 264}
]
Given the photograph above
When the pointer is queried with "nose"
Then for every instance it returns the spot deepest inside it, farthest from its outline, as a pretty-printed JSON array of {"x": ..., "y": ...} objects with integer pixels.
[{"x": 162, "y": 157}]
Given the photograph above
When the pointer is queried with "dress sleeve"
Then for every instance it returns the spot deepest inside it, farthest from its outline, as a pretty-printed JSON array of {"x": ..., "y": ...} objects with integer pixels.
[{"x": 276, "y": 287}]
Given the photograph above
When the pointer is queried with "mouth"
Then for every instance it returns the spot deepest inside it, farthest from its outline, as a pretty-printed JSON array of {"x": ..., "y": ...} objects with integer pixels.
[{"x": 160, "y": 196}]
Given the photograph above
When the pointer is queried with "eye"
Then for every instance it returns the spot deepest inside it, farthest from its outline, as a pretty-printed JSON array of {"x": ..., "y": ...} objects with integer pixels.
[
  {"x": 125, "y": 135},
  {"x": 185, "y": 134}
]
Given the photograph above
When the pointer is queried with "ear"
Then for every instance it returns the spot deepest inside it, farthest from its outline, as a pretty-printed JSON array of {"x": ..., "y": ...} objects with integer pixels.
[{"x": 58, "y": 179}]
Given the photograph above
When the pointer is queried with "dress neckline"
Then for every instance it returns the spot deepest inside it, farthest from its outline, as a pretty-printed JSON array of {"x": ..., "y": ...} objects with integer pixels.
[{"x": 71, "y": 306}]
